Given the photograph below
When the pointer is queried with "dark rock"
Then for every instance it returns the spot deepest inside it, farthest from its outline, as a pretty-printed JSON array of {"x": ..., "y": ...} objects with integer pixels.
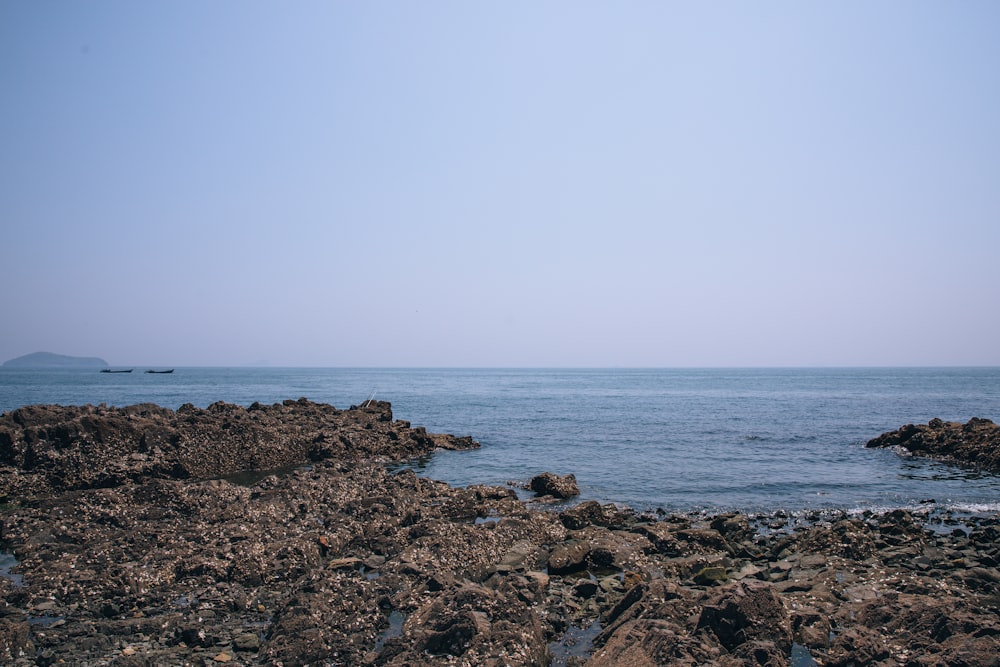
[
  {"x": 762, "y": 654},
  {"x": 521, "y": 557},
  {"x": 583, "y": 514},
  {"x": 977, "y": 442},
  {"x": 569, "y": 557},
  {"x": 585, "y": 589},
  {"x": 550, "y": 484},
  {"x": 748, "y": 611},
  {"x": 811, "y": 628},
  {"x": 13, "y": 639},
  {"x": 649, "y": 641},
  {"x": 710, "y": 576},
  {"x": 856, "y": 646},
  {"x": 732, "y": 527}
]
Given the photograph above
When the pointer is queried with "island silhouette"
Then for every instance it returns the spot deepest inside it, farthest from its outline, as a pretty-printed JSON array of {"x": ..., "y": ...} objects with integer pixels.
[{"x": 52, "y": 360}]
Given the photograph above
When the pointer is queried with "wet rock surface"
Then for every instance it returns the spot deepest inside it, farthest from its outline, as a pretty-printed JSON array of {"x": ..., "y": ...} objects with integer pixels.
[
  {"x": 341, "y": 562},
  {"x": 975, "y": 443}
]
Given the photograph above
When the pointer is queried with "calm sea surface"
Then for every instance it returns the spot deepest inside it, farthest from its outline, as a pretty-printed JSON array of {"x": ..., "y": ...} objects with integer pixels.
[{"x": 680, "y": 439}]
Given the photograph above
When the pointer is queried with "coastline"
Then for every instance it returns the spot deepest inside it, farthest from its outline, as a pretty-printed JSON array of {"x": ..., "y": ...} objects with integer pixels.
[{"x": 131, "y": 548}]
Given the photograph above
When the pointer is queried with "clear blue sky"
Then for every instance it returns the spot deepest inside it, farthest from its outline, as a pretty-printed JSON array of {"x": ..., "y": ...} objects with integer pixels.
[{"x": 501, "y": 184}]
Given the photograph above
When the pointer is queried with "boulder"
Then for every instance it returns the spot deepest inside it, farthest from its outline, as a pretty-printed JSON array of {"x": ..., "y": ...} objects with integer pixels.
[
  {"x": 557, "y": 486},
  {"x": 748, "y": 611},
  {"x": 591, "y": 512}
]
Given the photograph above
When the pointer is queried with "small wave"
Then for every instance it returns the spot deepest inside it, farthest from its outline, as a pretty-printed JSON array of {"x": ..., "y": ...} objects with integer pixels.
[
  {"x": 929, "y": 506},
  {"x": 885, "y": 509},
  {"x": 976, "y": 508}
]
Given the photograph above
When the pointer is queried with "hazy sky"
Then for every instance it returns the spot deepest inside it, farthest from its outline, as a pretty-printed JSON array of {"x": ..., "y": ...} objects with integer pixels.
[{"x": 501, "y": 183}]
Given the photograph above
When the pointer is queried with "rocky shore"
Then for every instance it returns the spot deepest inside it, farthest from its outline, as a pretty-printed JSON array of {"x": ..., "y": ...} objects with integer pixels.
[{"x": 131, "y": 546}]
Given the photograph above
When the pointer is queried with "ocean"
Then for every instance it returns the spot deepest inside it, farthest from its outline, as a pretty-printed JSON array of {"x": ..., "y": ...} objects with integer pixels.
[{"x": 681, "y": 440}]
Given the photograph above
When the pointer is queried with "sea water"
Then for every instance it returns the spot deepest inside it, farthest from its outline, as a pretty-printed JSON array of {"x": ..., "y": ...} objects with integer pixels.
[{"x": 678, "y": 439}]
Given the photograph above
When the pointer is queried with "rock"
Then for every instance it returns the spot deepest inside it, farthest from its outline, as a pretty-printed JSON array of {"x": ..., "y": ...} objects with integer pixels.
[
  {"x": 447, "y": 441},
  {"x": 977, "y": 442},
  {"x": 585, "y": 589},
  {"x": 676, "y": 542},
  {"x": 473, "y": 622},
  {"x": 550, "y": 484},
  {"x": 350, "y": 563},
  {"x": 522, "y": 556},
  {"x": 246, "y": 642},
  {"x": 857, "y": 645},
  {"x": 13, "y": 639},
  {"x": 748, "y": 611},
  {"x": 732, "y": 527},
  {"x": 541, "y": 579},
  {"x": 569, "y": 557},
  {"x": 581, "y": 515},
  {"x": 646, "y": 643},
  {"x": 591, "y": 512},
  {"x": 707, "y": 539},
  {"x": 811, "y": 628},
  {"x": 710, "y": 576},
  {"x": 763, "y": 653}
]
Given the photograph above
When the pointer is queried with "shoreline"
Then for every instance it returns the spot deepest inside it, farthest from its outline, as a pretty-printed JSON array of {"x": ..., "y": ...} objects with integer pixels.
[{"x": 154, "y": 559}]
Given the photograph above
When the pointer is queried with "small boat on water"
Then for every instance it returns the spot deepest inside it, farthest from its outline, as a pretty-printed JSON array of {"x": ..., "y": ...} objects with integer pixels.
[
  {"x": 152, "y": 371},
  {"x": 108, "y": 370}
]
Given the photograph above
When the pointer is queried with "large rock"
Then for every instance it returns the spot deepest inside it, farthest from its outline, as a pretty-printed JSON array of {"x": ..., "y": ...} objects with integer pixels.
[
  {"x": 475, "y": 623},
  {"x": 557, "y": 486},
  {"x": 977, "y": 442},
  {"x": 591, "y": 512},
  {"x": 54, "y": 448},
  {"x": 748, "y": 611}
]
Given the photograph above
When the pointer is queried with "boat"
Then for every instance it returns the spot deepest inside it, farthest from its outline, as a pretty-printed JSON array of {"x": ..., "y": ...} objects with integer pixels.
[
  {"x": 108, "y": 370},
  {"x": 152, "y": 371}
]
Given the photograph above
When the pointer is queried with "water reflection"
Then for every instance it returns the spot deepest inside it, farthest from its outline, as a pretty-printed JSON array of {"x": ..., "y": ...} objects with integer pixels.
[{"x": 8, "y": 563}]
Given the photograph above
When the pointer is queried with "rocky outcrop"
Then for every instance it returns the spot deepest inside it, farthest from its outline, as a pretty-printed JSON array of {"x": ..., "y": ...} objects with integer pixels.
[
  {"x": 46, "y": 448},
  {"x": 976, "y": 443},
  {"x": 557, "y": 486},
  {"x": 343, "y": 562},
  {"x": 748, "y": 611}
]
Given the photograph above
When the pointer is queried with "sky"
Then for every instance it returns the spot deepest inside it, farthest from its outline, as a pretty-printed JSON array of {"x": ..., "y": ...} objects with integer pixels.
[{"x": 522, "y": 184}]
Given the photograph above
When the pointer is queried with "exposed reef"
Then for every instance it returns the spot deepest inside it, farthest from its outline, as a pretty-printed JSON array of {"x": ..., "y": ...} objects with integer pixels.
[
  {"x": 50, "y": 448},
  {"x": 975, "y": 443},
  {"x": 341, "y": 562}
]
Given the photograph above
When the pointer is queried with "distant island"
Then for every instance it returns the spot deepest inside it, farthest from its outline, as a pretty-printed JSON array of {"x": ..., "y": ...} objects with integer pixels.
[{"x": 50, "y": 360}]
